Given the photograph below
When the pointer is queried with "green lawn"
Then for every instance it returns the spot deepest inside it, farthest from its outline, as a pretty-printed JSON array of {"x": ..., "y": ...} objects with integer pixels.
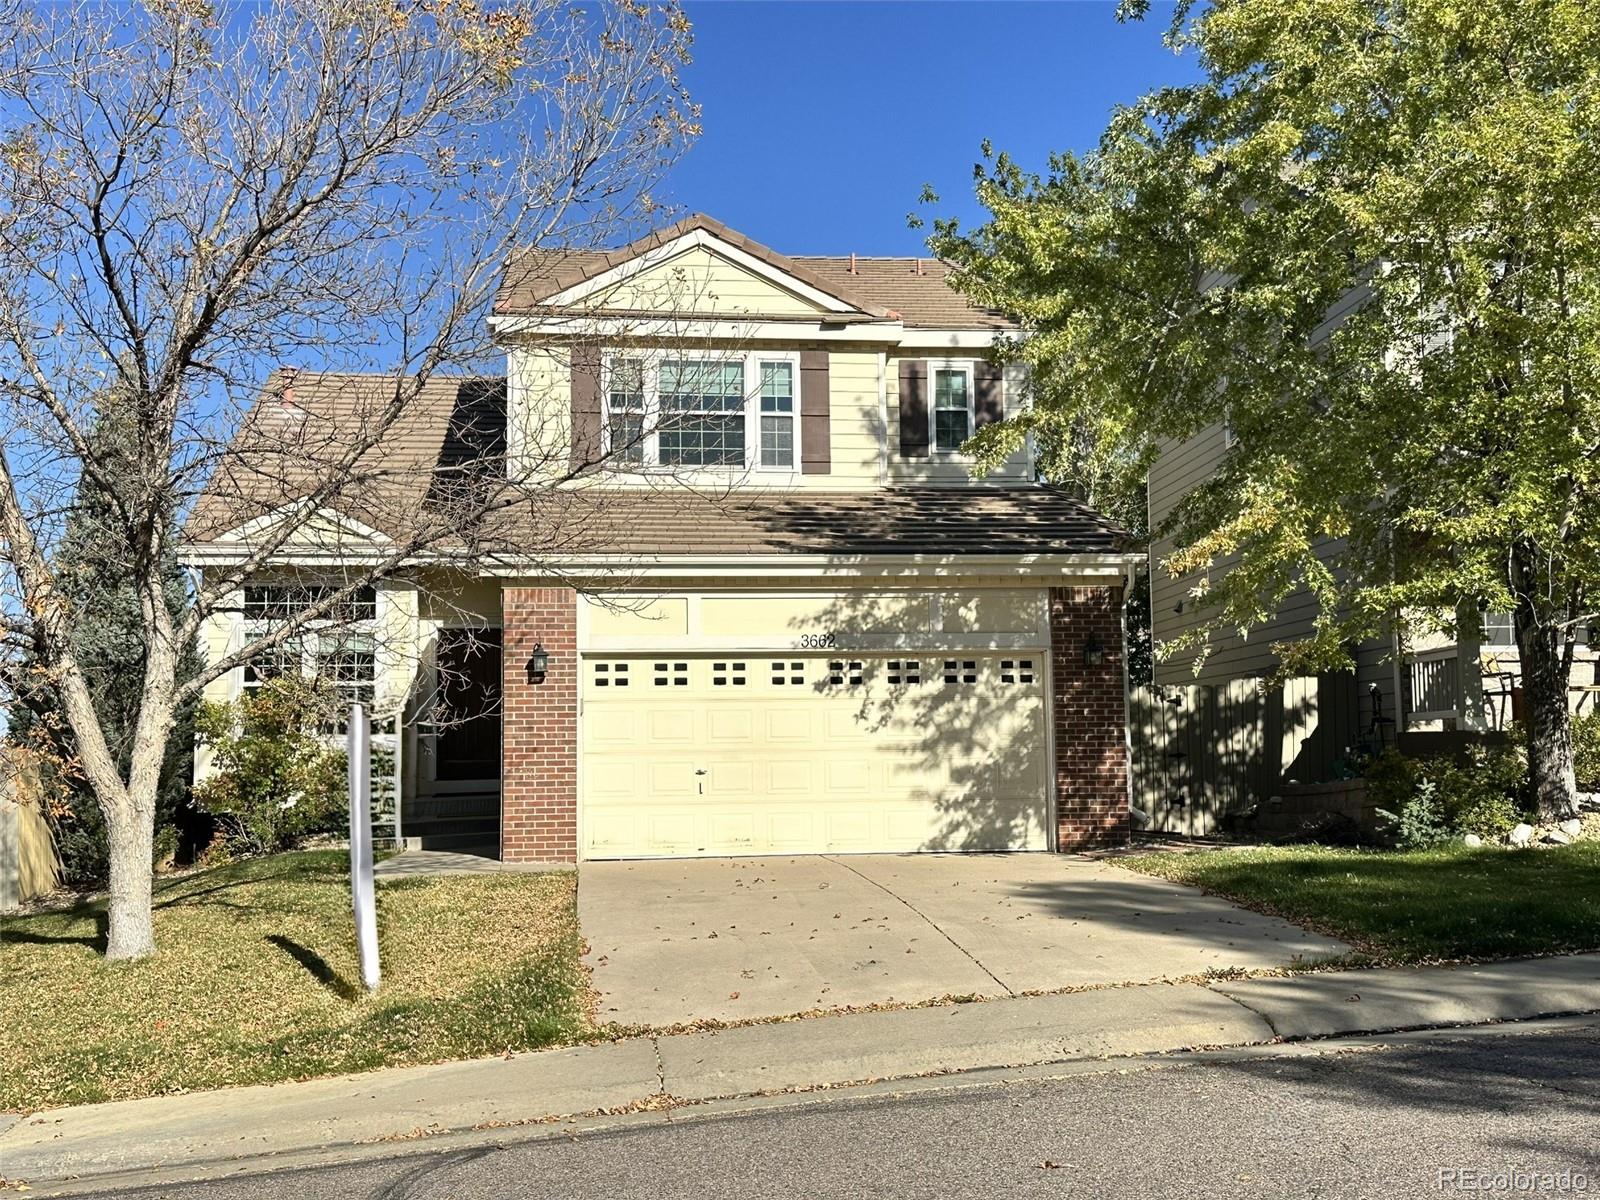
[
  {"x": 256, "y": 981},
  {"x": 1411, "y": 906}
]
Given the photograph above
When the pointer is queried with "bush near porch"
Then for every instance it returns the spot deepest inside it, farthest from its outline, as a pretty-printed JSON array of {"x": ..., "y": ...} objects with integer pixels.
[
  {"x": 1399, "y": 906},
  {"x": 257, "y": 981}
]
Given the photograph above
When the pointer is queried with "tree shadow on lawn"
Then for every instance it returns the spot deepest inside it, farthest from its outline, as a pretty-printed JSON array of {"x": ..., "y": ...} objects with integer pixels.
[
  {"x": 317, "y": 965},
  {"x": 95, "y": 941}
]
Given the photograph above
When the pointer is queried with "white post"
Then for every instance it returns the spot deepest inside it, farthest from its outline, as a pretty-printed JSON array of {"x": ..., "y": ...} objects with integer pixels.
[{"x": 358, "y": 745}]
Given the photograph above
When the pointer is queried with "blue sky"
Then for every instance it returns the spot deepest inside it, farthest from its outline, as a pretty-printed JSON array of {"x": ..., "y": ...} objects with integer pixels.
[{"x": 824, "y": 118}]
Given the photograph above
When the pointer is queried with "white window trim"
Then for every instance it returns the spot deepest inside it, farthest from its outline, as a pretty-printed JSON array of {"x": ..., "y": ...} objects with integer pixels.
[
  {"x": 751, "y": 362},
  {"x": 252, "y": 628},
  {"x": 965, "y": 366}
]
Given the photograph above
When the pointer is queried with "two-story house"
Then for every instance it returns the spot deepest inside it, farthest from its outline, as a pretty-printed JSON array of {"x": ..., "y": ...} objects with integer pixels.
[
  {"x": 1237, "y": 744},
  {"x": 788, "y": 620}
]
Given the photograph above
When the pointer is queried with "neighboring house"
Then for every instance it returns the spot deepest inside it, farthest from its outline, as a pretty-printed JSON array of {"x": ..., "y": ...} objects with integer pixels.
[
  {"x": 783, "y": 617},
  {"x": 1313, "y": 730}
]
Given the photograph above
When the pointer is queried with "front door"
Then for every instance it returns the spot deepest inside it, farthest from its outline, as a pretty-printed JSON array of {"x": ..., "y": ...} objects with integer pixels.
[{"x": 468, "y": 719}]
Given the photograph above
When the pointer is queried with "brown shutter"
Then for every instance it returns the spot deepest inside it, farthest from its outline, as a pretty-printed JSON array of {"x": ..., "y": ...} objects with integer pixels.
[
  {"x": 816, "y": 420},
  {"x": 585, "y": 405},
  {"x": 988, "y": 396},
  {"x": 913, "y": 408}
]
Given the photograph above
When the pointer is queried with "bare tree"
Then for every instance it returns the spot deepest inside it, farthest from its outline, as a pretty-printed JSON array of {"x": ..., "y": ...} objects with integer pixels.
[{"x": 192, "y": 193}]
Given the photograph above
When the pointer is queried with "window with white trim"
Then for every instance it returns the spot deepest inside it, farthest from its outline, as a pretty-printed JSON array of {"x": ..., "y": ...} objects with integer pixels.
[
  {"x": 796, "y": 673},
  {"x": 777, "y": 414},
  {"x": 625, "y": 408},
  {"x": 701, "y": 413},
  {"x": 727, "y": 411},
  {"x": 952, "y": 407},
  {"x": 338, "y": 647}
]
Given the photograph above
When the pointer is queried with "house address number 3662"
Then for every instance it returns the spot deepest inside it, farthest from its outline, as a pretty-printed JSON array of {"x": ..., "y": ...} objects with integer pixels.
[{"x": 817, "y": 641}]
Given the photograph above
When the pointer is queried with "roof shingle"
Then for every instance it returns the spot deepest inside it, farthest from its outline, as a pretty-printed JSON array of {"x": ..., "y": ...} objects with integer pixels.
[{"x": 303, "y": 420}]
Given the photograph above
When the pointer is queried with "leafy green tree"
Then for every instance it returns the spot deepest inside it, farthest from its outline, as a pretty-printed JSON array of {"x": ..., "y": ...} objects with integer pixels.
[
  {"x": 92, "y": 564},
  {"x": 1367, "y": 239}
]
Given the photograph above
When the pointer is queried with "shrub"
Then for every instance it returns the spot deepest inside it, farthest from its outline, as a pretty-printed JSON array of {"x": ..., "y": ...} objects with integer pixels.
[
  {"x": 1483, "y": 792},
  {"x": 1586, "y": 751},
  {"x": 278, "y": 777},
  {"x": 1484, "y": 795},
  {"x": 1420, "y": 821}
]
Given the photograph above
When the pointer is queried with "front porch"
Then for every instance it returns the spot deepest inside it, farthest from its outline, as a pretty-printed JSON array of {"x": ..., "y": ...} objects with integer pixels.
[{"x": 452, "y": 801}]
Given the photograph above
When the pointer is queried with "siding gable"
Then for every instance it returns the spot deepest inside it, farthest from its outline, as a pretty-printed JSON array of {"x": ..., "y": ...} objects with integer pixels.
[{"x": 701, "y": 282}]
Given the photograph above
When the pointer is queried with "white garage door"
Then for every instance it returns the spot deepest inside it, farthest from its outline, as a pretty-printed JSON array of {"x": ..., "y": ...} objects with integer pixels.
[{"x": 721, "y": 754}]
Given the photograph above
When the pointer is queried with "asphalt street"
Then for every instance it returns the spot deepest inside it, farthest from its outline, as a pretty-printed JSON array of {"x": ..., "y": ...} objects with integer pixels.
[{"x": 1510, "y": 1111}]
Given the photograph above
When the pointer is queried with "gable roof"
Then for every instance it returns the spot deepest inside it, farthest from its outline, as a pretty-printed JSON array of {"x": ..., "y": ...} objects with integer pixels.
[{"x": 913, "y": 291}]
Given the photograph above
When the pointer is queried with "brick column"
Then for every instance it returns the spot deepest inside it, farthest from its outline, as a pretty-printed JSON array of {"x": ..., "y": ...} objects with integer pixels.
[
  {"x": 539, "y": 727},
  {"x": 1089, "y": 718}
]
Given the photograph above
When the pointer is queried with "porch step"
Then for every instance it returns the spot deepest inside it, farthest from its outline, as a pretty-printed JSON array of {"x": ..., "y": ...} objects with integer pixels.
[
  {"x": 478, "y": 840},
  {"x": 453, "y": 833}
]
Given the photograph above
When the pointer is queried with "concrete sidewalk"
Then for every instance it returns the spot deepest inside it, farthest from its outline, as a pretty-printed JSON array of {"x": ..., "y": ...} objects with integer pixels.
[{"x": 287, "y": 1122}]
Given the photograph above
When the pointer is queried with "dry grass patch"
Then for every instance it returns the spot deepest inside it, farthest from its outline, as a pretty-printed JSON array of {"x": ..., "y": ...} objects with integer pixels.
[{"x": 257, "y": 981}]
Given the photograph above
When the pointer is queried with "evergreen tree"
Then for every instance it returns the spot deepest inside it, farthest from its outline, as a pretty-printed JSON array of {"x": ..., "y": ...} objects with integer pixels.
[{"x": 92, "y": 567}]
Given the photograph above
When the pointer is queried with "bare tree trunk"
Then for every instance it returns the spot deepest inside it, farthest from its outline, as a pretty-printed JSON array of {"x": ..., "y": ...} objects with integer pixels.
[
  {"x": 1548, "y": 723},
  {"x": 130, "y": 841}
]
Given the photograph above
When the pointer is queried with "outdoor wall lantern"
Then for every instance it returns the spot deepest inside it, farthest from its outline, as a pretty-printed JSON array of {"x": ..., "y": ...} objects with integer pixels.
[
  {"x": 538, "y": 664},
  {"x": 1094, "y": 654}
]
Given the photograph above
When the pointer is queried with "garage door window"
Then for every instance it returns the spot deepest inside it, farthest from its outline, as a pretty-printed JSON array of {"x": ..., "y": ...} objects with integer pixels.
[
  {"x": 960, "y": 670},
  {"x": 844, "y": 672},
  {"x": 611, "y": 674},
  {"x": 726, "y": 674},
  {"x": 675, "y": 674},
  {"x": 1019, "y": 670},
  {"x": 792, "y": 674},
  {"x": 904, "y": 671}
]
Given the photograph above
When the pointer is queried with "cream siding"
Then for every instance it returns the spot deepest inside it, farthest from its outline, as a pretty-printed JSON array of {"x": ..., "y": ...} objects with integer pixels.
[
  {"x": 701, "y": 282},
  {"x": 947, "y": 470},
  {"x": 539, "y": 403}
]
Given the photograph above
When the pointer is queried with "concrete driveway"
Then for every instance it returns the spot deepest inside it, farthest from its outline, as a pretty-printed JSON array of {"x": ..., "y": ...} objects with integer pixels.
[{"x": 674, "y": 941}]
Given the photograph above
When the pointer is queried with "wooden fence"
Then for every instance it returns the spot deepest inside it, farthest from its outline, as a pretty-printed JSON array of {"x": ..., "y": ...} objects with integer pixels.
[{"x": 1203, "y": 751}]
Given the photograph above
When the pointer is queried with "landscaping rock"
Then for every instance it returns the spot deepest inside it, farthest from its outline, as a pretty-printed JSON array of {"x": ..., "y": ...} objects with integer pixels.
[
  {"x": 1472, "y": 840},
  {"x": 1556, "y": 838},
  {"x": 1521, "y": 835},
  {"x": 1589, "y": 801},
  {"x": 1571, "y": 828}
]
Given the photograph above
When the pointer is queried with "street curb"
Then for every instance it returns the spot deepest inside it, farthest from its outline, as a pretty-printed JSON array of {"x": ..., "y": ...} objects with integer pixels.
[
  {"x": 661, "y": 1074},
  {"x": 466, "y": 1141}
]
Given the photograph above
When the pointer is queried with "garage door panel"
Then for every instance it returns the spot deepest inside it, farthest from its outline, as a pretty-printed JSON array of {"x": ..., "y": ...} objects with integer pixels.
[
  {"x": 668, "y": 725},
  {"x": 787, "y": 724},
  {"x": 725, "y": 724},
  {"x": 822, "y": 767}
]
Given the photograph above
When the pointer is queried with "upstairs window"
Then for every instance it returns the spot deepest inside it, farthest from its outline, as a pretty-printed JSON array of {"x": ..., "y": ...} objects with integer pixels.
[
  {"x": 952, "y": 407},
  {"x": 625, "y": 411},
  {"x": 777, "y": 414},
  {"x": 702, "y": 413},
  {"x": 729, "y": 411}
]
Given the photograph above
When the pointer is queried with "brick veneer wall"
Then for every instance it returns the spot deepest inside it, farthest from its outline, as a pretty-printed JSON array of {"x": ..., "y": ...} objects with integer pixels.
[
  {"x": 539, "y": 727},
  {"x": 1089, "y": 718}
]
